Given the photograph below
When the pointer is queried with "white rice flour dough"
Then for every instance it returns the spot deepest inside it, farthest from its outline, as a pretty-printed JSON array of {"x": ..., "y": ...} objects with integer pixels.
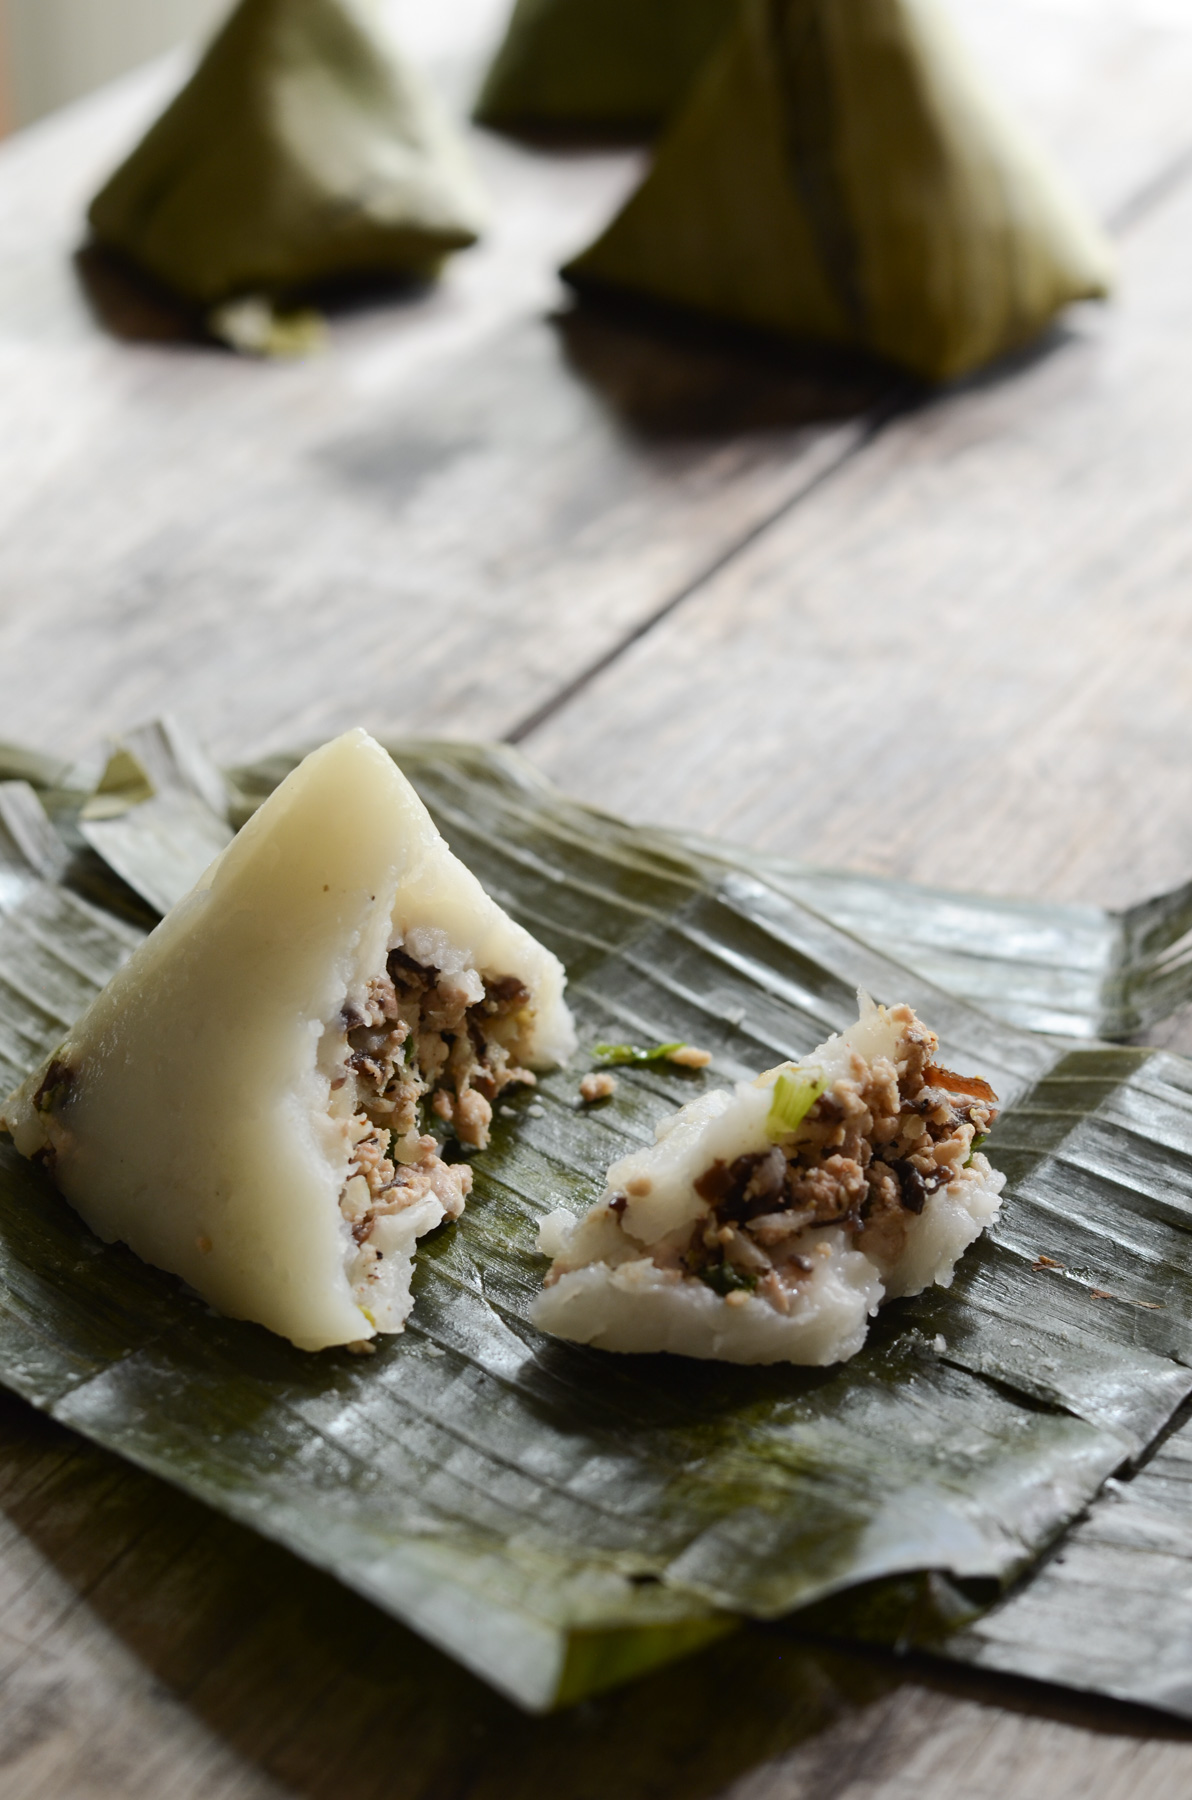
[
  {"x": 741, "y": 1236},
  {"x": 244, "y": 1104}
]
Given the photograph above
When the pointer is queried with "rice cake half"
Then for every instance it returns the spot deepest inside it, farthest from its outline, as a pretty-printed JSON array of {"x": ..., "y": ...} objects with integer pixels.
[{"x": 245, "y": 1105}]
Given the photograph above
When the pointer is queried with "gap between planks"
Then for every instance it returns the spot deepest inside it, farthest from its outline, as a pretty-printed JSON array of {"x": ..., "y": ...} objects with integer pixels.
[
  {"x": 1132, "y": 212},
  {"x": 895, "y": 402}
]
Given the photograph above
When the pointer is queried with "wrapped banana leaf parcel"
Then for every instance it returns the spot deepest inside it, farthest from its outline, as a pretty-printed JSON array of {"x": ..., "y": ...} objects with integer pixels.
[
  {"x": 301, "y": 151},
  {"x": 558, "y": 1517},
  {"x": 599, "y": 68},
  {"x": 842, "y": 174}
]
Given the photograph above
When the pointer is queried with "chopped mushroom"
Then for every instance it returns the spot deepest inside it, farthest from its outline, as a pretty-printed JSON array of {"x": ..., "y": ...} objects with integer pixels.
[
  {"x": 769, "y": 1222},
  {"x": 866, "y": 1156},
  {"x": 422, "y": 1036}
]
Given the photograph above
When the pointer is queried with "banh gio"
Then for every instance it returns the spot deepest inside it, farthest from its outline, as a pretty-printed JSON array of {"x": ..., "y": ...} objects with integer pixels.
[{"x": 248, "y": 1103}]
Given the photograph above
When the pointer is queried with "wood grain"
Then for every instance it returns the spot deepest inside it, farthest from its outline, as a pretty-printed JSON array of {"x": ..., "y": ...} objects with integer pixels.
[
  {"x": 426, "y": 527},
  {"x": 460, "y": 508},
  {"x": 966, "y": 660},
  {"x": 959, "y": 653}
]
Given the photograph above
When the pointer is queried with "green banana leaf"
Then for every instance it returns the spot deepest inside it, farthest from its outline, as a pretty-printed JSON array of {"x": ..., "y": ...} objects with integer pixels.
[
  {"x": 301, "y": 150},
  {"x": 615, "y": 68},
  {"x": 1071, "y": 971},
  {"x": 57, "y": 949},
  {"x": 560, "y": 1520},
  {"x": 841, "y": 174},
  {"x": 158, "y": 816},
  {"x": 1110, "y": 1611}
]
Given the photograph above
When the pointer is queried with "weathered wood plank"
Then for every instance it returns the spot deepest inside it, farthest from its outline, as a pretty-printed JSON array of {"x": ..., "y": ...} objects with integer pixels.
[
  {"x": 458, "y": 509},
  {"x": 966, "y": 660}
]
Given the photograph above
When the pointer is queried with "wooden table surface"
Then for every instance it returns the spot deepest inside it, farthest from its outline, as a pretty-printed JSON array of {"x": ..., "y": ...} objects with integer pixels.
[{"x": 945, "y": 639}]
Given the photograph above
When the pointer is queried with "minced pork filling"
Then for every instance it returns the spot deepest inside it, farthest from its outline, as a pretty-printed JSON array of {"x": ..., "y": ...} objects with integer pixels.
[
  {"x": 865, "y": 1158},
  {"x": 424, "y": 1039}
]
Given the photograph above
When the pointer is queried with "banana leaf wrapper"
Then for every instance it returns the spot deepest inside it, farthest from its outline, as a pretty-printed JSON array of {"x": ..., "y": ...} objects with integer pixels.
[
  {"x": 841, "y": 173},
  {"x": 561, "y": 1520},
  {"x": 1110, "y": 1611},
  {"x": 1071, "y": 971},
  {"x": 599, "y": 68},
  {"x": 300, "y": 152}
]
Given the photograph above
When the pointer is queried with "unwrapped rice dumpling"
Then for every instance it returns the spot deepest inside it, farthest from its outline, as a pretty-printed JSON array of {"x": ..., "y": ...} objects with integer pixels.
[
  {"x": 301, "y": 150},
  {"x": 248, "y": 1103},
  {"x": 769, "y": 1221},
  {"x": 599, "y": 67},
  {"x": 841, "y": 173}
]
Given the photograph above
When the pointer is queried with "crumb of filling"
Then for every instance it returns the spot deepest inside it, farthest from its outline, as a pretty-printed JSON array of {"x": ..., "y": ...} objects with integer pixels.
[
  {"x": 597, "y": 1087},
  {"x": 870, "y": 1151},
  {"x": 424, "y": 1036},
  {"x": 378, "y": 1187}
]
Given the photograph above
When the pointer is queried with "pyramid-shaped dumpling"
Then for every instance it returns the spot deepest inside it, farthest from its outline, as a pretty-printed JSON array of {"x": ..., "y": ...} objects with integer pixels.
[
  {"x": 301, "y": 150},
  {"x": 841, "y": 172},
  {"x": 614, "y": 67},
  {"x": 246, "y": 1104}
]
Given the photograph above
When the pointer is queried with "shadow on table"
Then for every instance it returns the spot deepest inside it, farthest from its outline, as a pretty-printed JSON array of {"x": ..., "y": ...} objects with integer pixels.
[
  {"x": 130, "y": 305},
  {"x": 668, "y": 373},
  {"x": 252, "y": 1659}
]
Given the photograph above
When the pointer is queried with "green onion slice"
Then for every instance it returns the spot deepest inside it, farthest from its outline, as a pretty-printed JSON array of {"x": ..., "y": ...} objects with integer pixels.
[
  {"x": 725, "y": 1278},
  {"x": 981, "y": 1138},
  {"x": 795, "y": 1093},
  {"x": 630, "y": 1053}
]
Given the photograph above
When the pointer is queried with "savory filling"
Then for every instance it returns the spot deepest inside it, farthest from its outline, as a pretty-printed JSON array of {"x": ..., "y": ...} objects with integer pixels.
[
  {"x": 864, "y": 1157},
  {"x": 423, "y": 1042}
]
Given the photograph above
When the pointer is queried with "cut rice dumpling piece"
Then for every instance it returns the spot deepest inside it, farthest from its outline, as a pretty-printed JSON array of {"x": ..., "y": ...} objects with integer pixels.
[
  {"x": 842, "y": 173},
  {"x": 247, "y": 1103},
  {"x": 769, "y": 1221},
  {"x": 615, "y": 68},
  {"x": 301, "y": 150}
]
